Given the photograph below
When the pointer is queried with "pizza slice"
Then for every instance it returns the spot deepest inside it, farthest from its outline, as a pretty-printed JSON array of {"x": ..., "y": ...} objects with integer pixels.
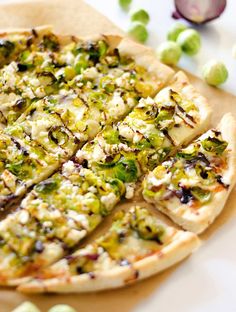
[
  {"x": 21, "y": 167},
  {"x": 192, "y": 187},
  {"x": 46, "y": 129},
  {"x": 25, "y": 59},
  {"x": 53, "y": 218},
  {"x": 149, "y": 134},
  {"x": 136, "y": 246}
]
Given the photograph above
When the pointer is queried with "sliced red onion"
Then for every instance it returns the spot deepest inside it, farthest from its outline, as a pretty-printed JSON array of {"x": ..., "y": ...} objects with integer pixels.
[{"x": 199, "y": 11}]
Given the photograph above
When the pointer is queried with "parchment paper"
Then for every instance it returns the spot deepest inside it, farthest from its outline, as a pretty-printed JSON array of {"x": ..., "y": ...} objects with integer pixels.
[{"x": 76, "y": 17}]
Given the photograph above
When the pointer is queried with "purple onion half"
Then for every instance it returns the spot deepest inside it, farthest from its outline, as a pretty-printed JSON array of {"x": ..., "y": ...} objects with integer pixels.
[{"x": 199, "y": 11}]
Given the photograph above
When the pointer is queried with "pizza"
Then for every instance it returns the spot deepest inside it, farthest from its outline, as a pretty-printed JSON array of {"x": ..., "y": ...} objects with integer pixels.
[
  {"x": 18, "y": 56},
  {"x": 136, "y": 246},
  {"x": 45, "y": 129},
  {"x": 82, "y": 122},
  {"x": 192, "y": 187}
]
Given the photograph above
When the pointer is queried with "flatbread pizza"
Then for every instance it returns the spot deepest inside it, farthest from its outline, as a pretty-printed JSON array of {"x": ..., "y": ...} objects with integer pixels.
[{"x": 82, "y": 122}]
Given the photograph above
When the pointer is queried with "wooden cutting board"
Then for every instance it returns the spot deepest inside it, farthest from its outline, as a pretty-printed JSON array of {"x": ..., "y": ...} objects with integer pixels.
[{"x": 76, "y": 17}]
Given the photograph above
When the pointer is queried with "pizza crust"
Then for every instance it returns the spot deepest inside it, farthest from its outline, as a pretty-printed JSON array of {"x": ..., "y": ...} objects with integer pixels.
[
  {"x": 41, "y": 30},
  {"x": 142, "y": 55},
  {"x": 146, "y": 57},
  {"x": 184, "y": 243},
  {"x": 180, "y": 83},
  {"x": 205, "y": 215}
]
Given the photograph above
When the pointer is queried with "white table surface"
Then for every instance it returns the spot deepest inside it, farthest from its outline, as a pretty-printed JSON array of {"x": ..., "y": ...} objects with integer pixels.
[
  {"x": 206, "y": 282},
  {"x": 218, "y": 36}
]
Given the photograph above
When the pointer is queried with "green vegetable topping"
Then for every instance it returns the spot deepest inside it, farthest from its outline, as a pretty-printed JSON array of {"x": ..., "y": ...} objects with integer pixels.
[
  {"x": 46, "y": 187},
  {"x": 190, "y": 41},
  {"x": 145, "y": 225},
  {"x": 187, "y": 153},
  {"x": 140, "y": 15},
  {"x": 6, "y": 47},
  {"x": 215, "y": 72},
  {"x": 26, "y": 307},
  {"x": 138, "y": 31},
  {"x": 125, "y": 3},
  {"x": 81, "y": 64},
  {"x": 169, "y": 52},
  {"x": 62, "y": 308},
  {"x": 107, "y": 84},
  {"x": 110, "y": 161},
  {"x": 20, "y": 169},
  {"x": 58, "y": 135},
  {"x": 126, "y": 170},
  {"x": 46, "y": 78},
  {"x": 175, "y": 30},
  {"x": 201, "y": 195},
  {"x": 111, "y": 136},
  {"x": 102, "y": 48},
  {"x": 165, "y": 119},
  {"x": 51, "y": 42},
  {"x": 214, "y": 145}
]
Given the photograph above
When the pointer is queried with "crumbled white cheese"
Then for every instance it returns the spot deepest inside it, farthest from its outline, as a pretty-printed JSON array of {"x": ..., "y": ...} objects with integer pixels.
[
  {"x": 35, "y": 82},
  {"x": 125, "y": 131},
  {"x": 137, "y": 137},
  {"x": 98, "y": 153},
  {"x": 9, "y": 75},
  {"x": 47, "y": 224},
  {"x": 130, "y": 102},
  {"x": 39, "y": 92},
  {"x": 23, "y": 216},
  {"x": 116, "y": 105},
  {"x": 68, "y": 168},
  {"x": 76, "y": 235},
  {"x": 81, "y": 218},
  {"x": 28, "y": 92},
  {"x": 80, "y": 155},
  {"x": 157, "y": 182},
  {"x": 144, "y": 102},
  {"x": 91, "y": 73},
  {"x": 92, "y": 189},
  {"x": 39, "y": 128},
  {"x": 68, "y": 58},
  {"x": 109, "y": 200},
  {"x": 129, "y": 190}
]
